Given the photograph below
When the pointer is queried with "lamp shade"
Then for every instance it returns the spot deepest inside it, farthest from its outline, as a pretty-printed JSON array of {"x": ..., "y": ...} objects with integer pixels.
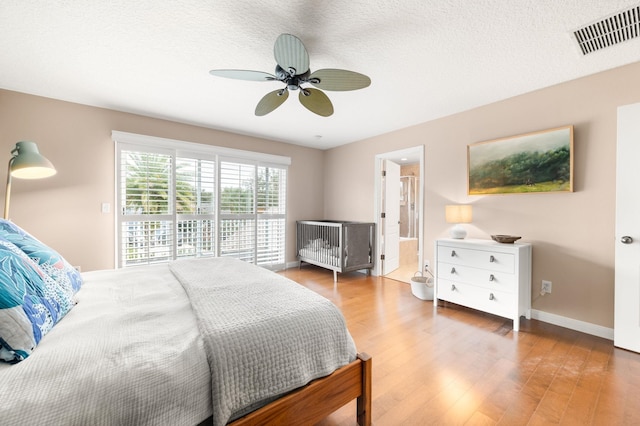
[
  {"x": 28, "y": 163},
  {"x": 458, "y": 213}
]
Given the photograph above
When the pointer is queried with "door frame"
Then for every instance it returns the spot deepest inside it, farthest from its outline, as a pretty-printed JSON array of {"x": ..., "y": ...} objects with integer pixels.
[
  {"x": 627, "y": 277},
  {"x": 390, "y": 229},
  {"x": 416, "y": 151}
]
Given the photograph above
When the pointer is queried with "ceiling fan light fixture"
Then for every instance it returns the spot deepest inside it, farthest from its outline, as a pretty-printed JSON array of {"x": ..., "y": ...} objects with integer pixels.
[{"x": 292, "y": 69}]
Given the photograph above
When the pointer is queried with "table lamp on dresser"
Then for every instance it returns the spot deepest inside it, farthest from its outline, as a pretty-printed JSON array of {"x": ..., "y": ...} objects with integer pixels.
[{"x": 458, "y": 214}]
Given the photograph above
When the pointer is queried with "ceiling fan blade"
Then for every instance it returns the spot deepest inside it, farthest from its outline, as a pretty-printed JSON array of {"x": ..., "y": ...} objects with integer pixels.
[
  {"x": 271, "y": 101},
  {"x": 244, "y": 75},
  {"x": 290, "y": 53},
  {"x": 339, "y": 80},
  {"x": 316, "y": 101}
]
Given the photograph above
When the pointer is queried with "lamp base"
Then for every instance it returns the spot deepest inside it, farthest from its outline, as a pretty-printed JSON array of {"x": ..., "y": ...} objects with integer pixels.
[{"x": 458, "y": 232}]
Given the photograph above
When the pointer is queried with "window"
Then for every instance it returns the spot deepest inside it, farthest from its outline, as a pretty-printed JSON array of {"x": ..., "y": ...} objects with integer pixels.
[{"x": 178, "y": 200}]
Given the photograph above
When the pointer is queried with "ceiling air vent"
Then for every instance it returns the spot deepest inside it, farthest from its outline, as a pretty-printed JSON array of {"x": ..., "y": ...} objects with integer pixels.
[{"x": 609, "y": 31}]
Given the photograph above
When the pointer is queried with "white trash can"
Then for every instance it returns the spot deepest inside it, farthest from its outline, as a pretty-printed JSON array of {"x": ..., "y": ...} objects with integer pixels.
[{"x": 422, "y": 287}]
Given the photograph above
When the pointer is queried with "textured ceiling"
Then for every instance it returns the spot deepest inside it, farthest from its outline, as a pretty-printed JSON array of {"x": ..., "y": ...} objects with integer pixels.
[{"x": 426, "y": 58}]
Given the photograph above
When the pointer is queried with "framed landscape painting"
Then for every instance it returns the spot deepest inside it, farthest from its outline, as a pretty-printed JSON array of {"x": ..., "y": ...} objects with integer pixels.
[{"x": 533, "y": 162}]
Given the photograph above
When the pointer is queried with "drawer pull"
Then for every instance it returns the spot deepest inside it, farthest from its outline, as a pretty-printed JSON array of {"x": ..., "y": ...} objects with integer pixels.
[
  {"x": 453, "y": 287},
  {"x": 491, "y": 296},
  {"x": 453, "y": 270},
  {"x": 492, "y": 259},
  {"x": 453, "y": 253},
  {"x": 492, "y": 277}
]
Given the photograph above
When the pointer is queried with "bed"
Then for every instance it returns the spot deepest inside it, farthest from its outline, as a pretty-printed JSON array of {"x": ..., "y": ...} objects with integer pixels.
[
  {"x": 201, "y": 341},
  {"x": 340, "y": 246}
]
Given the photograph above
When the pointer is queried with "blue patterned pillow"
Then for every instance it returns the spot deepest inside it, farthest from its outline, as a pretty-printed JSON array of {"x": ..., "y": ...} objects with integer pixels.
[
  {"x": 31, "y": 303},
  {"x": 49, "y": 260}
]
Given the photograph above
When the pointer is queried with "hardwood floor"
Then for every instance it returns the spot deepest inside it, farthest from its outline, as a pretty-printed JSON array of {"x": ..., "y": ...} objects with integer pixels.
[{"x": 455, "y": 366}]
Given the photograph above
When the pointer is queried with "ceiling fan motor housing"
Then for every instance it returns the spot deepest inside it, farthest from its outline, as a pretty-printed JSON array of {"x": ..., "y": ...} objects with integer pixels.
[{"x": 292, "y": 80}]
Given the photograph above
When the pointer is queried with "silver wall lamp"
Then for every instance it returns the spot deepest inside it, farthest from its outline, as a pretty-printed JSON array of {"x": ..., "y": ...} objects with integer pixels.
[{"x": 26, "y": 163}]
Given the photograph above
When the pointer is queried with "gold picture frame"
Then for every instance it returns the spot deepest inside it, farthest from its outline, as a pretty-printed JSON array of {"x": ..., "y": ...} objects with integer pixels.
[{"x": 529, "y": 163}]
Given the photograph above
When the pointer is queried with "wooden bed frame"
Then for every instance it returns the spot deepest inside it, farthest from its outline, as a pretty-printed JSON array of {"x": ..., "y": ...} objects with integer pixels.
[{"x": 321, "y": 397}]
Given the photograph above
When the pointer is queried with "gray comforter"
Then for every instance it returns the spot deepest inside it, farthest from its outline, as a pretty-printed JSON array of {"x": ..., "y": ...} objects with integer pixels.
[{"x": 264, "y": 335}]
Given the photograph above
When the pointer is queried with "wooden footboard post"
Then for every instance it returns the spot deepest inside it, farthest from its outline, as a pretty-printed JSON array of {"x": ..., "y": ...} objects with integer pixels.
[
  {"x": 364, "y": 400},
  {"x": 315, "y": 401}
]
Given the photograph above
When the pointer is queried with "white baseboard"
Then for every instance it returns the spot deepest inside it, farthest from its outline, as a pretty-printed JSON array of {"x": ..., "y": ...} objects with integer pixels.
[
  {"x": 293, "y": 264},
  {"x": 573, "y": 324}
]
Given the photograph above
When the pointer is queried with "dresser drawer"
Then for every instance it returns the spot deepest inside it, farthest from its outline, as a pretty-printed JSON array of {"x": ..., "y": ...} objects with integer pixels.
[
  {"x": 495, "y": 280},
  {"x": 485, "y": 259},
  {"x": 492, "y": 301}
]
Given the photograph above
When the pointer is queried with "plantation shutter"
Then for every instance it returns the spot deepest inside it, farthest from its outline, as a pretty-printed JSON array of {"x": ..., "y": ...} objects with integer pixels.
[
  {"x": 146, "y": 227},
  {"x": 271, "y": 205},
  {"x": 237, "y": 210},
  {"x": 178, "y": 199},
  {"x": 195, "y": 207}
]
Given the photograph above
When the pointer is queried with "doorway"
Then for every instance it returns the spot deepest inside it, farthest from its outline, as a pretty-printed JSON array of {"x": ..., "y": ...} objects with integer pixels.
[{"x": 408, "y": 185}]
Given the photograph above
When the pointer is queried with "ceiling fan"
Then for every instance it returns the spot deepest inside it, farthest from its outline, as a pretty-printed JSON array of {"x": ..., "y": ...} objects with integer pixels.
[{"x": 292, "y": 68}]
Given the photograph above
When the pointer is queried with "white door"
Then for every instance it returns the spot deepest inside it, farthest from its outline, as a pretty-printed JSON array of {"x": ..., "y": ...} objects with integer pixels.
[
  {"x": 626, "y": 332},
  {"x": 391, "y": 231}
]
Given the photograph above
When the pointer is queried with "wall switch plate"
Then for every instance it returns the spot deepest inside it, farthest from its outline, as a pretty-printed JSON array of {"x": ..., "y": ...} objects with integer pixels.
[
  {"x": 105, "y": 208},
  {"x": 546, "y": 287}
]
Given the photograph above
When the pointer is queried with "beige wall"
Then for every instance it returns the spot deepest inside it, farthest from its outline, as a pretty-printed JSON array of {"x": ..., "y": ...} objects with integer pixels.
[
  {"x": 572, "y": 233},
  {"x": 64, "y": 211}
]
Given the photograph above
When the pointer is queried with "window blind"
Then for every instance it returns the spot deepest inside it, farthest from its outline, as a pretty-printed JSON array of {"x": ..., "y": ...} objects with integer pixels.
[
  {"x": 195, "y": 207},
  {"x": 237, "y": 210},
  {"x": 179, "y": 200},
  {"x": 145, "y": 187},
  {"x": 271, "y": 213}
]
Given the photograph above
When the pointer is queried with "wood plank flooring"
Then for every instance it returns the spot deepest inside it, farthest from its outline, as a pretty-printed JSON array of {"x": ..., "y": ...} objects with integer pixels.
[{"x": 455, "y": 366}]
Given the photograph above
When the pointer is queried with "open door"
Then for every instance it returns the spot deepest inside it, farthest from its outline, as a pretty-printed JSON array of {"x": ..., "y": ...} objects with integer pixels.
[
  {"x": 626, "y": 330},
  {"x": 388, "y": 232},
  {"x": 391, "y": 217}
]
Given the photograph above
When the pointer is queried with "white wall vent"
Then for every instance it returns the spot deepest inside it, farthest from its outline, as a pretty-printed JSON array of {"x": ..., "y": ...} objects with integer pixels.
[{"x": 609, "y": 31}]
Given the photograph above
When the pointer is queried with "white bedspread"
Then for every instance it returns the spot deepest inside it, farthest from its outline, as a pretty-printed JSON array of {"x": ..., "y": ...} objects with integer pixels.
[
  {"x": 129, "y": 353},
  {"x": 264, "y": 334}
]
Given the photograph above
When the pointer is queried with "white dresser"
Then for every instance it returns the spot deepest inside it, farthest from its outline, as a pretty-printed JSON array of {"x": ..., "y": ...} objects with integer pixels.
[{"x": 485, "y": 275}]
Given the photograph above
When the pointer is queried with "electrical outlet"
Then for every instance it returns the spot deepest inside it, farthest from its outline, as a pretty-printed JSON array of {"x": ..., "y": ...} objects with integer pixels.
[
  {"x": 546, "y": 287},
  {"x": 426, "y": 265}
]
